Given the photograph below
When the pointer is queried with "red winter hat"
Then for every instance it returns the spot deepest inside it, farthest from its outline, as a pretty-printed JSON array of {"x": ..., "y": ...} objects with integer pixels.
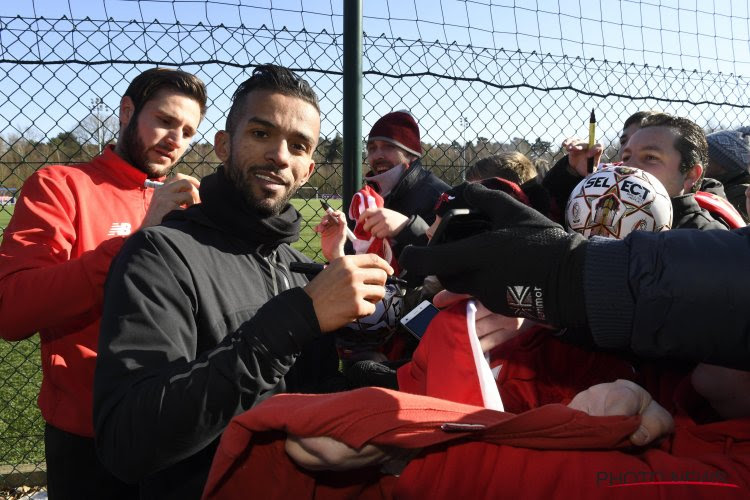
[{"x": 399, "y": 128}]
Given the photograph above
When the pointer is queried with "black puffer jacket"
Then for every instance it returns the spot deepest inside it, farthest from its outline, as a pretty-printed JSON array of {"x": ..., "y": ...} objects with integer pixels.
[
  {"x": 202, "y": 320},
  {"x": 677, "y": 294},
  {"x": 415, "y": 196},
  {"x": 687, "y": 214}
]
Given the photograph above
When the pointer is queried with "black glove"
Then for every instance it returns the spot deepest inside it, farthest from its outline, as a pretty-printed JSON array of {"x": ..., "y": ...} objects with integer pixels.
[
  {"x": 368, "y": 373},
  {"x": 526, "y": 266}
]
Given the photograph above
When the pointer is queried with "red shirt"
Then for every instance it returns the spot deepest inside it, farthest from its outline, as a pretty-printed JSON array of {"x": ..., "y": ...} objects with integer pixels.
[{"x": 68, "y": 224}]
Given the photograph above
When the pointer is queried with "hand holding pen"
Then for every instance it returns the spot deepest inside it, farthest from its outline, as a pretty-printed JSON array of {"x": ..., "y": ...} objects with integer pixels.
[
  {"x": 177, "y": 192},
  {"x": 333, "y": 233},
  {"x": 347, "y": 289},
  {"x": 329, "y": 210},
  {"x": 311, "y": 269},
  {"x": 581, "y": 156}
]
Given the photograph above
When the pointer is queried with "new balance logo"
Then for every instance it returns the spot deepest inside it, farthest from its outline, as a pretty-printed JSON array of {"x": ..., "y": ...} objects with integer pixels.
[
  {"x": 119, "y": 229},
  {"x": 526, "y": 301}
]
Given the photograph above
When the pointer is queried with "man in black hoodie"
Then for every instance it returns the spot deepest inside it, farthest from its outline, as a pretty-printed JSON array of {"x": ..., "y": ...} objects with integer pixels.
[{"x": 202, "y": 317}]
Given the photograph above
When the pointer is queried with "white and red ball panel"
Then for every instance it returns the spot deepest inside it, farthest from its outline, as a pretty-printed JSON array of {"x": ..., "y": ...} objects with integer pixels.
[{"x": 616, "y": 200}]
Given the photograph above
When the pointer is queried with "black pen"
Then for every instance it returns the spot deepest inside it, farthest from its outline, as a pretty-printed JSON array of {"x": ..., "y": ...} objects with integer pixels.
[{"x": 313, "y": 268}]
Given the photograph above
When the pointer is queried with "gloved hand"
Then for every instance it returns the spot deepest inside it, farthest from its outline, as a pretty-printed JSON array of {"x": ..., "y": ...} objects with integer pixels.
[
  {"x": 368, "y": 373},
  {"x": 526, "y": 266}
]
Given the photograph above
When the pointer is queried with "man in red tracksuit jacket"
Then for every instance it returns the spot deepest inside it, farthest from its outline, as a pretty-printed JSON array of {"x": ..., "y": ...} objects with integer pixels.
[{"x": 68, "y": 224}]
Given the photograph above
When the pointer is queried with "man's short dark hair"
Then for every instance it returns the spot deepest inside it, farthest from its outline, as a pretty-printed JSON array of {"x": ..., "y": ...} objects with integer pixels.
[
  {"x": 690, "y": 142},
  {"x": 145, "y": 86},
  {"x": 637, "y": 118},
  {"x": 274, "y": 78}
]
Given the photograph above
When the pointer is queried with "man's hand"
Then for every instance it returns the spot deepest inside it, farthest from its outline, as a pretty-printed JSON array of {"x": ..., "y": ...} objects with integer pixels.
[
  {"x": 526, "y": 266},
  {"x": 179, "y": 191},
  {"x": 382, "y": 222},
  {"x": 348, "y": 289},
  {"x": 492, "y": 329},
  {"x": 324, "y": 453},
  {"x": 332, "y": 231},
  {"x": 579, "y": 153},
  {"x": 623, "y": 397}
]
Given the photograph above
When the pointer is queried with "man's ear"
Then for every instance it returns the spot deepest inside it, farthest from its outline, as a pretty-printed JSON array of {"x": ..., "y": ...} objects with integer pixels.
[
  {"x": 692, "y": 177},
  {"x": 222, "y": 145},
  {"x": 127, "y": 109},
  {"x": 309, "y": 171}
]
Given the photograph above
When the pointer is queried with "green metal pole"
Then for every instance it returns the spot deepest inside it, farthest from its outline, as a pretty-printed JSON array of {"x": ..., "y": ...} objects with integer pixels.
[{"x": 352, "y": 174}]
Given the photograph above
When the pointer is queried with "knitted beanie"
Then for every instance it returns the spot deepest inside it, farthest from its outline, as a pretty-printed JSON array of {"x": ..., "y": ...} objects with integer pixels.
[
  {"x": 730, "y": 149},
  {"x": 399, "y": 128}
]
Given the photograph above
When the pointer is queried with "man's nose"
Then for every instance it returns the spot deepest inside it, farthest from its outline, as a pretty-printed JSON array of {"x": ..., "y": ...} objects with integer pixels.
[
  {"x": 173, "y": 138},
  {"x": 278, "y": 153}
]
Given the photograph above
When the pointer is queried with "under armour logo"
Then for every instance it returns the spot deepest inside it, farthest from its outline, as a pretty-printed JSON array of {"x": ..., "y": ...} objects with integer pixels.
[
  {"x": 119, "y": 229},
  {"x": 525, "y": 301}
]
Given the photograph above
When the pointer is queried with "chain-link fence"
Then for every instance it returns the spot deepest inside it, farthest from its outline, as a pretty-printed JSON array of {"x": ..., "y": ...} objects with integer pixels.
[{"x": 479, "y": 76}]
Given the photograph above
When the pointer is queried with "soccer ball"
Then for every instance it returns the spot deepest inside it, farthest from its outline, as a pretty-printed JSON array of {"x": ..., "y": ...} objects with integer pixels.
[
  {"x": 365, "y": 337},
  {"x": 616, "y": 200}
]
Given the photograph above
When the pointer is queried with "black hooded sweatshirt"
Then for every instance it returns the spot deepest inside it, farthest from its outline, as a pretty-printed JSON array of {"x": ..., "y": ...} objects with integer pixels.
[{"x": 202, "y": 320}]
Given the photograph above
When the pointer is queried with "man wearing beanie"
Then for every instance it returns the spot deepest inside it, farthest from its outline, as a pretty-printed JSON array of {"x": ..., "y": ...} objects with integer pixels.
[
  {"x": 729, "y": 162},
  {"x": 396, "y": 173}
]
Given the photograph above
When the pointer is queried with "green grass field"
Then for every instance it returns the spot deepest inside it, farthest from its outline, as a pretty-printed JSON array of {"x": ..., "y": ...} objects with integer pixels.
[{"x": 21, "y": 424}]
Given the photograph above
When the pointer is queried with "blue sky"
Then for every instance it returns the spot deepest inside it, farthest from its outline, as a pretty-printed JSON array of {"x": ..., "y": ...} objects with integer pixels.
[{"x": 696, "y": 39}]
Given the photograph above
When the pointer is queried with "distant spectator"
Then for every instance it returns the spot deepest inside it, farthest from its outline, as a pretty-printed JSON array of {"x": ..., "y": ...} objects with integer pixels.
[
  {"x": 396, "y": 173},
  {"x": 728, "y": 162},
  {"x": 512, "y": 166},
  {"x": 518, "y": 169}
]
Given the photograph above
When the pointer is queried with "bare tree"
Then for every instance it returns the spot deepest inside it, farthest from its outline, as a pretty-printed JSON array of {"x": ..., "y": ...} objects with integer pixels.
[{"x": 99, "y": 127}]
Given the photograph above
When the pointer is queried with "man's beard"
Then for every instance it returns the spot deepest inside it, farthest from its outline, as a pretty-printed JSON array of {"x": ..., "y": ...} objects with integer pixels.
[
  {"x": 242, "y": 178},
  {"x": 134, "y": 151}
]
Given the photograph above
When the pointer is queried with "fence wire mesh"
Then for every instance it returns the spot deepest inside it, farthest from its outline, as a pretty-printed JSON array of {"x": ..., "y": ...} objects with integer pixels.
[{"x": 479, "y": 76}]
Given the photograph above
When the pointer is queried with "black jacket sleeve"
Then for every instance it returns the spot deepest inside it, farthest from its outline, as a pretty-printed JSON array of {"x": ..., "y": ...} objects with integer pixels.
[
  {"x": 678, "y": 294},
  {"x": 160, "y": 394}
]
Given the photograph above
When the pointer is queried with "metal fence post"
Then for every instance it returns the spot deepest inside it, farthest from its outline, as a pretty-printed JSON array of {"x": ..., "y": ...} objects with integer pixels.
[{"x": 352, "y": 161}]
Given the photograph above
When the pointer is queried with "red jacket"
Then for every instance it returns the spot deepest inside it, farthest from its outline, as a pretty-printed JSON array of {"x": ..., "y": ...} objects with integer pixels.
[
  {"x": 545, "y": 452},
  {"x": 68, "y": 224},
  {"x": 251, "y": 461},
  {"x": 535, "y": 370}
]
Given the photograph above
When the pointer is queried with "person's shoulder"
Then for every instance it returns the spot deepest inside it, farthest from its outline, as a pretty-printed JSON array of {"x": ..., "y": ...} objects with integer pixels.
[
  {"x": 57, "y": 172},
  {"x": 431, "y": 180},
  {"x": 688, "y": 214}
]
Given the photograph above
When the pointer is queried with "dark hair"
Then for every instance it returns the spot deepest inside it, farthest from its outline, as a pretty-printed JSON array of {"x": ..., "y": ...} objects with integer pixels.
[
  {"x": 146, "y": 85},
  {"x": 275, "y": 78},
  {"x": 637, "y": 118},
  {"x": 512, "y": 166},
  {"x": 690, "y": 142}
]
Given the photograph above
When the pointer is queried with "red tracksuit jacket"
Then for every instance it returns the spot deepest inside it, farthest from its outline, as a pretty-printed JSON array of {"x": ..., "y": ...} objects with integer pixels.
[
  {"x": 546, "y": 452},
  {"x": 68, "y": 224}
]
